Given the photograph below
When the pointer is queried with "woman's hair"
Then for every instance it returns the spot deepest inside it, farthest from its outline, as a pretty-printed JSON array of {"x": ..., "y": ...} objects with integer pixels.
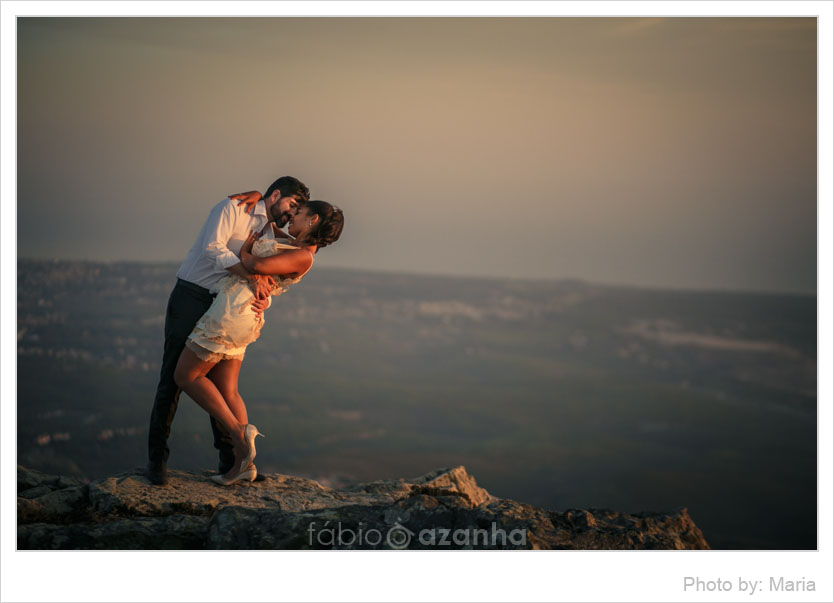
[{"x": 331, "y": 221}]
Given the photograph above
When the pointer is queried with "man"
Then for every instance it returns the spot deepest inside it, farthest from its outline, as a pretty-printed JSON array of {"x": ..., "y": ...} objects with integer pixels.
[{"x": 213, "y": 256}]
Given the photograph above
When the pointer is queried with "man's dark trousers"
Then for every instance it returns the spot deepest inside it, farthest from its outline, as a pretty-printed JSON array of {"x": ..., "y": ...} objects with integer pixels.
[{"x": 187, "y": 303}]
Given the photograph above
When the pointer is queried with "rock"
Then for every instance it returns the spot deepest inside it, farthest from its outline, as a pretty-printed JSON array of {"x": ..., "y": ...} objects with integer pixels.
[
  {"x": 68, "y": 482},
  {"x": 174, "y": 532},
  {"x": 581, "y": 518},
  {"x": 29, "y": 478},
  {"x": 443, "y": 509},
  {"x": 457, "y": 480},
  {"x": 34, "y": 492},
  {"x": 56, "y": 506}
]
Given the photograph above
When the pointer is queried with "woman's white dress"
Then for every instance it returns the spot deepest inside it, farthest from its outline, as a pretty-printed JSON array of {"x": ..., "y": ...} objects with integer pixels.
[{"x": 230, "y": 323}]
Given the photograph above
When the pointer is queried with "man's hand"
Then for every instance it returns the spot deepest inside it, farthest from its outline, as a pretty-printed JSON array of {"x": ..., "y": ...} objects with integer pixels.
[
  {"x": 259, "y": 305},
  {"x": 249, "y": 199},
  {"x": 250, "y": 240},
  {"x": 261, "y": 285}
]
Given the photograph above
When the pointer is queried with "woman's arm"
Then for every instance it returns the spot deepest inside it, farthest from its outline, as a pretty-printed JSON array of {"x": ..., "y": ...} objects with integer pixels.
[
  {"x": 249, "y": 199},
  {"x": 286, "y": 264}
]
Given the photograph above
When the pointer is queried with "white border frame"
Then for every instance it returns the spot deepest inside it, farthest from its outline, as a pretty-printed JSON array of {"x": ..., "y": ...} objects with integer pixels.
[{"x": 406, "y": 576}]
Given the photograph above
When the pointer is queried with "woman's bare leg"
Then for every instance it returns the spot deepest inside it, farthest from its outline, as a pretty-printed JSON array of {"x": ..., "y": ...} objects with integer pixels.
[
  {"x": 225, "y": 376},
  {"x": 190, "y": 376}
]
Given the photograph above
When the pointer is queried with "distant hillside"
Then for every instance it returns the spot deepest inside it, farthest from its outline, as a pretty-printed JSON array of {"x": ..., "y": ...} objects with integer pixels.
[{"x": 564, "y": 394}]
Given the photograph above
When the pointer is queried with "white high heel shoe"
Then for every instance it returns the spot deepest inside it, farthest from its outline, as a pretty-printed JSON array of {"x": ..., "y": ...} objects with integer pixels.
[
  {"x": 247, "y": 475},
  {"x": 250, "y": 432}
]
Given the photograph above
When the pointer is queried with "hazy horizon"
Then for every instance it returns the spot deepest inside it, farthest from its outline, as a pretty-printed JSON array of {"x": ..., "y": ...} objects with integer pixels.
[
  {"x": 663, "y": 153},
  {"x": 475, "y": 277}
]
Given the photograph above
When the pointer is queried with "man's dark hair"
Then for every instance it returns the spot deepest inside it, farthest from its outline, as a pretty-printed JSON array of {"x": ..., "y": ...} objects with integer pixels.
[{"x": 289, "y": 187}]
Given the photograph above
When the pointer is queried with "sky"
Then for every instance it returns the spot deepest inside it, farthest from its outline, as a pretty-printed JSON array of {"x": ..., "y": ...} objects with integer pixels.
[{"x": 677, "y": 152}]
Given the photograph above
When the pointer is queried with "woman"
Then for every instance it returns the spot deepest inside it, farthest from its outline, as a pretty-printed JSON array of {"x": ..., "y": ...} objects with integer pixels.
[{"x": 209, "y": 366}]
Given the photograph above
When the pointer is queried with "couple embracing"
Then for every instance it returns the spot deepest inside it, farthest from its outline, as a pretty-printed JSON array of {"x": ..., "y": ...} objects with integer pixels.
[{"x": 241, "y": 258}]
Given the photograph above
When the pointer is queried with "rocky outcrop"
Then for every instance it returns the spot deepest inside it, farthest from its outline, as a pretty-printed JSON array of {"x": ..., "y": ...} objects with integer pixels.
[{"x": 444, "y": 509}]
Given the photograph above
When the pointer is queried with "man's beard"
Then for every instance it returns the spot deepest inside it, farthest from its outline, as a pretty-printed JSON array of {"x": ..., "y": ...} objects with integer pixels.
[{"x": 281, "y": 219}]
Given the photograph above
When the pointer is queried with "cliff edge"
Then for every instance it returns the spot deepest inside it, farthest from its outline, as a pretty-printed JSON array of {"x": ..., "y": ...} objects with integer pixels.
[{"x": 443, "y": 509}]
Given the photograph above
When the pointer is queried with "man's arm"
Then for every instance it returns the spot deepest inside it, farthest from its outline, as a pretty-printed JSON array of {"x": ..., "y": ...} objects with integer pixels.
[
  {"x": 215, "y": 246},
  {"x": 261, "y": 284},
  {"x": 219, "y": 228}
]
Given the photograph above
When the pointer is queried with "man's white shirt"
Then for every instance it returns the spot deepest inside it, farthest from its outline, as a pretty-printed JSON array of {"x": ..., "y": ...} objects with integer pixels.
[{"x": 218, "y": 245}]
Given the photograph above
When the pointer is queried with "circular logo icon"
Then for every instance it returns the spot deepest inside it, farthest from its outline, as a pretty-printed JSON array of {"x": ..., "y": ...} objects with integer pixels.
[{"x": 398, "y": 537}]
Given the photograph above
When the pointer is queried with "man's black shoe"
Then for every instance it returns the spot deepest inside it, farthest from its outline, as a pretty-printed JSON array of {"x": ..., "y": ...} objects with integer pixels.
[{"x": 157, "y": 474}]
